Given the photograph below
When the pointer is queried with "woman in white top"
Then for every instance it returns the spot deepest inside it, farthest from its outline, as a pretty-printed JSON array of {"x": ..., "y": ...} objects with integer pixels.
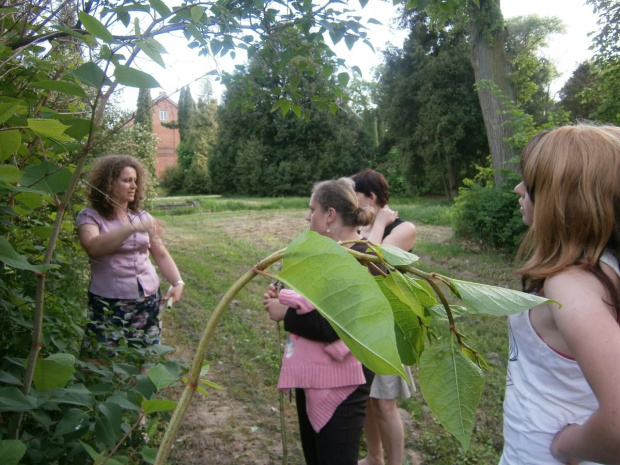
[
  {"x": 562, "y": 403},
  {"x": 383, "y": 427}
]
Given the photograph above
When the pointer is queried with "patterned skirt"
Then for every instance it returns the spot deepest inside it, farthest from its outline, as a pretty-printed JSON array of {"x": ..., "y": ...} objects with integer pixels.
[{"x": 137, "y": 321}]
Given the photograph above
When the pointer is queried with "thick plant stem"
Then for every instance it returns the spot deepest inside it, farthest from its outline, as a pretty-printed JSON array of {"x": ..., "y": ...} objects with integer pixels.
[{"x": 193, "y": 377}]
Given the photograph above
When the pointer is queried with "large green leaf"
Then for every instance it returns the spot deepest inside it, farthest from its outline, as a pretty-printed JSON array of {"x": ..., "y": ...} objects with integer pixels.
[
  {"x": 47, "y": 177},
  {"x": 14, "y": 400},
  {"x": 53, "y": 372},
  {"x": 73, "y": 420},
  {"x": 78, "y": 127},
  {"x": 160, "y": 7},
  {"x": 14, "y": 260},
  {"x": 493, "y": 300},
  {"x": 7, "y": 110},
  {"x": 49, "y": 128},
  {"x": 451, "y": 385},
  {"x": 131, "y": 77},
  {"x": 95, "y": 27},
  {"x": 160, "y": 376},
  {"x": 411, "y": 293},
  {"x": 91, "y": 75},
  {"x": 152, "y": 53},
  {"x": 396, "y": 256},
  {"x": 158, "y": 405},
  {"x": 409, "y": 333},
  {"x": 11, "y": 451},
  {"x": 345, "y": 293},
  {"x": 10, "y": 174},
  {"x": 9, "y": 143},
  {"x": 108, "y": 424},
  {"x": 60, "y": 86}
]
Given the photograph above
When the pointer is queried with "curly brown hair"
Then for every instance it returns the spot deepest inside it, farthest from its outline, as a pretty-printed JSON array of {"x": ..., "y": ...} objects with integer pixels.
[{"x": 101, "y": 179}]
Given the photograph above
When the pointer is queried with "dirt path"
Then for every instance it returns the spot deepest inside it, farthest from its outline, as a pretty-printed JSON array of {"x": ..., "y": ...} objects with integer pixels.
[{"x": 224, "y": 427}]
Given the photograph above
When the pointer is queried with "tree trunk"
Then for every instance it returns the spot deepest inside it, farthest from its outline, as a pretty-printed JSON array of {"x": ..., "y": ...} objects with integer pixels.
[{"x": 488, "y": 58}]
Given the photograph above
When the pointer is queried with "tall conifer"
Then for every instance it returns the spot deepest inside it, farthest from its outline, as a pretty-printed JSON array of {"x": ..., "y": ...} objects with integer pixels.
[{"x": 144, "y": 111}]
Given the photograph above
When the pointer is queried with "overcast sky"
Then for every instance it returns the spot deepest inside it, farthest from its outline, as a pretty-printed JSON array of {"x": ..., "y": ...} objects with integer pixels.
[{"x": 184, "y": 66}]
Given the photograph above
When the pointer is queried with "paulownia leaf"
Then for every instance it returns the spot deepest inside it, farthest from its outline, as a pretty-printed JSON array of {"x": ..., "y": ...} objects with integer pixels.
[
  {"x": 49, "y": 128},
  {"x": 396, "y": 256},
  {"x": 10, "y": 174},
  {"x": 7, "y": 110},
  {"x": 11, "y": 451},
  {"x": 9, "y": 143},
  {"x": 160, "y": 7},
  {"x": 152, "y": 54},
  {"x": 91, "y": 75},
  {"x": 160, "y": 376},
  {"x": 347, "y": 296},
  {"x": 95, "y": 27},
  {"x": 108, "y": 424},
  {"x": 47, "y": 177},
  {"x": 14, "y": 260},
  {"x": 53, "y": 372},
  {"x": 409, "y": 334},
  {"x": 60, "y": 86},
  {"x": 14, "y": 400},
  {"x": 149, "y": 454},
  {"x": 451, "y": 385},
  {"x": 411, "y": 293},
  {"x": 493, "y": 300},
  {"x": 158, "y": 405},
  {"x": 73, "y": 420},
  {"x": 131, "y": 77}
]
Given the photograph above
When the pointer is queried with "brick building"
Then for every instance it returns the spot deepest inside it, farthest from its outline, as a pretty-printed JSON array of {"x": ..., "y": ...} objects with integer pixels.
[{"x": 165, "y": 111}]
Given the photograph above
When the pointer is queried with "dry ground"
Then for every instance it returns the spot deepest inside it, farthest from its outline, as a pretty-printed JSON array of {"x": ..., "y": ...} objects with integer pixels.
[{"x": 226, "y": 427}]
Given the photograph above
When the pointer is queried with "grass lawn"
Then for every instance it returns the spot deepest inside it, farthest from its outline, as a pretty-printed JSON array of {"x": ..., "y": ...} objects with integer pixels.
[{"x": 214, "y": 243}]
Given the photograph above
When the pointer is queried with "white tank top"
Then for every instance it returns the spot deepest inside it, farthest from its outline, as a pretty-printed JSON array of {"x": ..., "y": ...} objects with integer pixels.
[{"x": 545, "y": 391}]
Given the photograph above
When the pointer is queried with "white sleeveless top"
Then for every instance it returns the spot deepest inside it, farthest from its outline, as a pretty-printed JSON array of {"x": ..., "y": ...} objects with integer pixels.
[{"x": 544, "y": 392}]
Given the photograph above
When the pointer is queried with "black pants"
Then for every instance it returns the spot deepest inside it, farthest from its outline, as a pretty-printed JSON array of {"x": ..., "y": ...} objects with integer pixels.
[{"x": 338, "y": 442}]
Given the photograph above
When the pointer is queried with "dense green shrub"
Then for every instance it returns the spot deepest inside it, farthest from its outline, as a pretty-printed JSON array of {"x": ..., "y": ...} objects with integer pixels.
[
  {"x": 487, "y": 213},
  {"x": 194, "y": 180}
]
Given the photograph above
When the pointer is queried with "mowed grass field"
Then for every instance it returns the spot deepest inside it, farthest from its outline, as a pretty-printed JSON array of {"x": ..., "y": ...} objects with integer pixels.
[{"x": 214, "y": 242}]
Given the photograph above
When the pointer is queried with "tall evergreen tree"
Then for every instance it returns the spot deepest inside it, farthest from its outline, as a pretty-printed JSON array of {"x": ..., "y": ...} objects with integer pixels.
[
  {"x": 427, "y": 99},
  {"x": 187, "y": 108},
  {"x": 577, "y": 87},
  {"x": 144, "y": 110},
  {"x": 264, "y": 152}
]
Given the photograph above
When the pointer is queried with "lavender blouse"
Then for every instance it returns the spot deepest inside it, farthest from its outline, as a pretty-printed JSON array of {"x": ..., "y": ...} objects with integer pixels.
[{"x": 116, "y": 276}]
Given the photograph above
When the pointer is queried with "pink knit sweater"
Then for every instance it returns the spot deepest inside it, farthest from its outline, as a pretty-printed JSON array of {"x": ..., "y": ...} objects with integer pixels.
[{"x": 328, "y": 372}]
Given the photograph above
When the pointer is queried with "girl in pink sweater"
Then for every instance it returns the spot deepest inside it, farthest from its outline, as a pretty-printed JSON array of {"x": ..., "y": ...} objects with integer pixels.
[{"x": 331, "y": 385}]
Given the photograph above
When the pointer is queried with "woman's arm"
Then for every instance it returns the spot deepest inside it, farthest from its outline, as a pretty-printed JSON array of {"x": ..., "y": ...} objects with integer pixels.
[
  {"x": 589, "y": 327},
  {"x": 402, "y": 236},
  {"x": 96, "y": 244},
  {"x": 166, "y": 264}
]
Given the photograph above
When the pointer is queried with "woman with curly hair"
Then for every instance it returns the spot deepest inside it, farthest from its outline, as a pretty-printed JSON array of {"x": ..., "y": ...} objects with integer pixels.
[
  {"x": 118, "y": 237},
  {"x": 562, "y": 402}
]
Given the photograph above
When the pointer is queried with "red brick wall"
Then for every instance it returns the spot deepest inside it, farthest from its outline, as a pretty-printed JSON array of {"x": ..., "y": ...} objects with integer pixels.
[{"x": 168, "y": 139}]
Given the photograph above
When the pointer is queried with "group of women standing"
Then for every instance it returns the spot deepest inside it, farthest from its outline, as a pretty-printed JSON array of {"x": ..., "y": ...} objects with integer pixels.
[{"x": 562, "y": 403}]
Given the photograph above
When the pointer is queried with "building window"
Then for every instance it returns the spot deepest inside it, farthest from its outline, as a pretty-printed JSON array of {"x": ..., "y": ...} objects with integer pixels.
[{"x": 163, "y": 115}]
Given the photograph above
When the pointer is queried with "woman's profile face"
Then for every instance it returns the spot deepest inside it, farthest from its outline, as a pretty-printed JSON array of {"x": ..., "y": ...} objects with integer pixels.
[
  {"x": 527, "y": 206},
  {"x": 125, "y": 186},
  {"x": 363, "y": 200},
  {"x": 317, "y": 218}
]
